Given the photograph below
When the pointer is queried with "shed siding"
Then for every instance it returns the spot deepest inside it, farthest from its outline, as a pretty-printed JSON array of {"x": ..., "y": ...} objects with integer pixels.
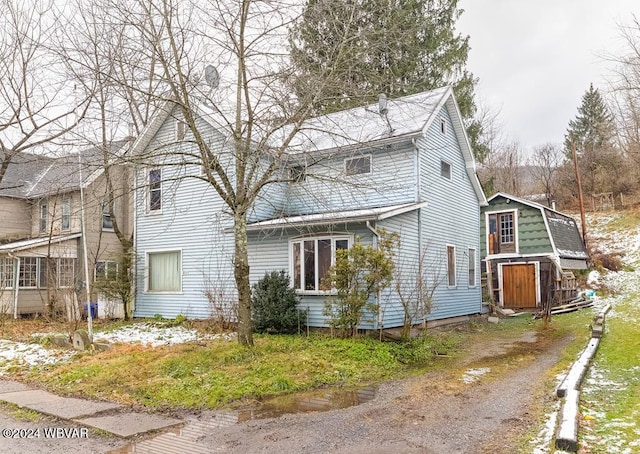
[
  {"x": 532, "y": 232},
  {"x": 452, "y": 217}
]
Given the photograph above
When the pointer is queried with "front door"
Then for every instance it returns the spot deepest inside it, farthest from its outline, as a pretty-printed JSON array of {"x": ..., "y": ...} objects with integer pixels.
[{"x": 519, "y": 285}]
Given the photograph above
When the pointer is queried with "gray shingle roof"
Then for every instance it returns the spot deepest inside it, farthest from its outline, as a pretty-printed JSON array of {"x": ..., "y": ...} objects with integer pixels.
[
  {"x": 33, "y": 176},
  {"x": 566, "y": 236}
]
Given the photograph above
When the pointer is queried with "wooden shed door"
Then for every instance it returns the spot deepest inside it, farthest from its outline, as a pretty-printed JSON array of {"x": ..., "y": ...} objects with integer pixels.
[{"x": 519, "y": 285}]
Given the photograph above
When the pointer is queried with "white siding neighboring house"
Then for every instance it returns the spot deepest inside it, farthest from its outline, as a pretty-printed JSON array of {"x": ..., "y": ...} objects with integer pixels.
[{"x": 351, "y": 173}]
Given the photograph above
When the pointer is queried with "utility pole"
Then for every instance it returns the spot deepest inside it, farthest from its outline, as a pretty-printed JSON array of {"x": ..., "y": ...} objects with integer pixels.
[{"x": 580, "y": 197}]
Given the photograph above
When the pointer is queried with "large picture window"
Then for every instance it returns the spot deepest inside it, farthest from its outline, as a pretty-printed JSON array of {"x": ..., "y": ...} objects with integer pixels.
[
  {"x": 311, "y": 260},
  {"x": 165, "y": 271}
]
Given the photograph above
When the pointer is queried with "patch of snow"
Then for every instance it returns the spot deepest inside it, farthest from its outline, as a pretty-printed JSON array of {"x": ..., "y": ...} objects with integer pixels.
[
  {"x": 473, "y": 375},
  {"x": 542, "y": 443},
  {"x": 26, "y": 355},
  {"x": 154, "y": 335}
]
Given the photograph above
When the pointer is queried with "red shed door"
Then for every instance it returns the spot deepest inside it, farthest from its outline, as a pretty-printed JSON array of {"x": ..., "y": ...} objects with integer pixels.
[{"x": 519, "y": 285}]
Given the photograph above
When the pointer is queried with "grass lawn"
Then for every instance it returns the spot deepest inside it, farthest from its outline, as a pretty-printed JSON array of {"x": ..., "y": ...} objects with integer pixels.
[{"x": 218, "y": 373}]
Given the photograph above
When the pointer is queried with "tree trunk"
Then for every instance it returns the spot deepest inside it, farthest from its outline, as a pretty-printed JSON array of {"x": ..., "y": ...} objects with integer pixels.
[{"x": 241, "y": 274}]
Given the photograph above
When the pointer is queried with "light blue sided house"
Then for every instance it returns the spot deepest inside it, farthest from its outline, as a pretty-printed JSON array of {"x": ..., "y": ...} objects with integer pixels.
[{"x": 404, "y": 165}]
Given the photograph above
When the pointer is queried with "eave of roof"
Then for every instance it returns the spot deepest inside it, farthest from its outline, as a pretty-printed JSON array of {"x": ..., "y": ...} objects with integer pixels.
[
  {"x": 361, "y": 215},
  {"x": 31, "y": 243}
]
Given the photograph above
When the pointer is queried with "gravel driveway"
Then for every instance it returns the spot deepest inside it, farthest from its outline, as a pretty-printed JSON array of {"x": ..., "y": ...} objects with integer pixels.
[{"x": 435, "y": 413}]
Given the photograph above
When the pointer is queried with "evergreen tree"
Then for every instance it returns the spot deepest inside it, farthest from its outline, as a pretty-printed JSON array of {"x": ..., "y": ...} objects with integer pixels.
[
  {"x": 360, "y": 48},
  {"x": 592, "y": 132},
  {"x": 593, "y": 128}
]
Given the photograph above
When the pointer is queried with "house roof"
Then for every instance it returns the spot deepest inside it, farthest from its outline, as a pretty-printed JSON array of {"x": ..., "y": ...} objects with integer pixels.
[
  {"x": 362, "y": 215},
  {"x": 406, "y": 118},
  {"x": 562, "y": 229},
  {"x": 33, "y": 176},
  {"x": 31, "y": 243}
]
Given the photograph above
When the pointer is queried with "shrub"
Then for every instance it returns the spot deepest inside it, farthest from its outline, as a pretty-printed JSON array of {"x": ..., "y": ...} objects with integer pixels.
[{"x": 274, "y": 304}]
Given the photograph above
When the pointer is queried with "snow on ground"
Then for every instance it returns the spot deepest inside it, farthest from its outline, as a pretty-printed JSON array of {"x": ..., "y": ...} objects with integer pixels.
[
  {"x": 154, "y": 334},
  {"x": 19, "y": 354},
  {"x": 473, "y": 375},
  {"x": 24, "y": 355},
  {"x": 621, "y": 284}
]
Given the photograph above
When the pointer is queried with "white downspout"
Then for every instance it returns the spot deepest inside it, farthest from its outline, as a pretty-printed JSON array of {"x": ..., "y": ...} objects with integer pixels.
[
  {"x": 376, "y": 236},
  {"x": 16, "y": 277}
]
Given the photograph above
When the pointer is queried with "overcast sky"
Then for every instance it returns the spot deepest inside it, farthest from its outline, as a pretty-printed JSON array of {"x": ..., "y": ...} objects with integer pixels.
[{"x": 536, "y": 58}]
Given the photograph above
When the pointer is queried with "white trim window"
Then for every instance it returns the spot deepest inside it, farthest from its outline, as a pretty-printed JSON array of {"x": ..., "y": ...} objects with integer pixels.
[
  {"x": 44, "y": 216},
  {"x": 28, "y": 273},
  {"x": 451, "y": 266},
  {"x": 443, "y": 126},
  {"x": 181, "y": 130},
  {"x": 472, "y": 267},
  {"x": 107, "y": 221},
  {"x": 66, "y": 272},
  {"x": 6, "y": 273},
  {"x": 105, "y": 270},
  {"x": 164, "y": 271},
  {"x": 311, "y": 259},
  {"x": 445, "y": 169},
  {"x": 154, "y": 195},
  {"x": 359, "y": 165},
  {"x": 65, "y": 218}
]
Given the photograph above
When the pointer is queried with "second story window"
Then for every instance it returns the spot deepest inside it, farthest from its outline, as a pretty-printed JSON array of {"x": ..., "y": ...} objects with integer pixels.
[
  {"x": 502, "y": 232},
  {"x": 107, "y": 221},
  {"x": 357, "y": 166},
  {"x": 445, "y": 170},
  {"x": 65, "y": 221},
  {"x": 44, "y": 215},
  {"x": 155, "y": 190},
  {"x": 297, "y": 174},
  {"x": 181, "y": 130}
]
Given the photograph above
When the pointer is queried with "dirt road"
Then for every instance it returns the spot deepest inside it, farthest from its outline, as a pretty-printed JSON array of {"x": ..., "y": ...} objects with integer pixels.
[{"x": 482, "y": 404}]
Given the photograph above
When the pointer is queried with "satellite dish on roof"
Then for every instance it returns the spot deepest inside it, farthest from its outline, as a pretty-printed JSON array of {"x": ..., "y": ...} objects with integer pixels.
[{"x": 211, "y": 76}]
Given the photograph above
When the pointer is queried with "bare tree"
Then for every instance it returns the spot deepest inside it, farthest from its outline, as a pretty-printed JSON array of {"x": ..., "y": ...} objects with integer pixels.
[
  {"x": 545, "y": 163},
  {"x": 36, "y": 104},
  {"x": 502, "y": 170},
  {"x": 250, "y": 97}
]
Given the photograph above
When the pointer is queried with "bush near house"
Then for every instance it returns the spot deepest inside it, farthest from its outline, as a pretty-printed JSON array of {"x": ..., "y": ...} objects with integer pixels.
[{"x": 274, "y": 305}]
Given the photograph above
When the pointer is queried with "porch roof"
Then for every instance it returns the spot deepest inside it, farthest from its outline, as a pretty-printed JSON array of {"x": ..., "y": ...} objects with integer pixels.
[
  {"x": 31, "y": 243},
  {"x": 361, "y": 215}
]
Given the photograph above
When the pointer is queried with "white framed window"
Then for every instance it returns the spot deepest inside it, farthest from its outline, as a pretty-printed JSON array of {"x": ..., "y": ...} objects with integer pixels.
[
  {"x": 66, "y": 272},
  {"x": 445, "y": 169},
  {"x": 298, "y": 174},
  {"x": 106, "y": 270},
  {"x": 311, "y": 259},
  {"x": 28, "y": 273},
  {"x": 443, "y": 125},
  {"x": 65, "y": 218},
  {"x": 56, "y": 272},
  {"x": 360, "y": 165},
  {"x": 502, "y": 232},
  {"x": 44, "y": 215},
  {"x": 107, "y": 221},
  {"x": 181, "y": 130},
  {"x": 472, "y": 267},
  {"x": 451, "y": 266},
  {"x": 164, "y": 271},
  {"x": 6, "y": 273},
  {"x": 154, "y": 195}
]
